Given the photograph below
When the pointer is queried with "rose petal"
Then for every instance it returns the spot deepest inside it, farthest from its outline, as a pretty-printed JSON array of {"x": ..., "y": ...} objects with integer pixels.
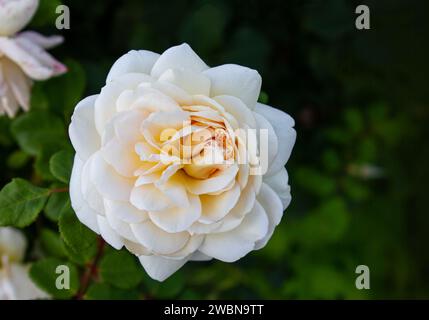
[
  {"x": 41, "y": 40},
  {"x": 199, "y": 256},
  {"x": 140, "y": 61},
  {"x": 283, "y": 126},
  {"x": 121, "y": 157},
  {"x": 178, "y": 57},
  {"x": 178, "y": 219},
  {"x": 108, "y": 234},
  {"x": 18, "y": 82},
  {"x": 110, "y": 184},
  {"x": 214, "y": 208},
  {"x": 105, "y": 105},
  {"x": 235, "y": 244},
  {"x": 34, "y": 61},
  {"x": 272, "y": 205},
  {"x": 23, "y": 287},
  {"x": 160, "y": 268},
  {"x": 213, "y": 184},
  {"x": 238, "y": 109},
  {"x": 14, "y": 15},
  {"x": 85, "y": 214},
  {"x": 149, "y": 198},
  {"x": 125, "y": 211},
  {"x": 13, "y": 244},
  {"x": 191, "y": 82},
  {"x": 83, "y": 135},
  {"x": 158, "y": 240},
  {"x": 279, "y": 183},
  {"x": 272, "y": 144},
  {"x": 234, "y": 80}
]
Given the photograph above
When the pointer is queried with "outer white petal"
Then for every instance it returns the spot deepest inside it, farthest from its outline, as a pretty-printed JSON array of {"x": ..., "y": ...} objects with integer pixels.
[
  {"x": 273, "y": 142},
  {"x": 82, "y": 132},
  {"x": 108, "y": 234},
  {"x": 199, "y": 256},
  {"x": 83, "y": 211},
  {"x": 157, "y": 240},
  {"x": 160, "y": 268},
  {"x": 178, "y": 57},
  {"x": 140, "y": 61},
  {"x": 235, "y": 80},
  {"x": 279, "y": 183},
  {"x": 274, "y": 209},
  {"x": 12, "y": 244},
  {"x": 286, "y": 134},
  {"x": 89, "y": 192},
  {"x": 238, "y": 109},
  {"x": 191, "y": 82},
  {"x": 105, "y": 105},
  {"x": 235, "y": 244}
]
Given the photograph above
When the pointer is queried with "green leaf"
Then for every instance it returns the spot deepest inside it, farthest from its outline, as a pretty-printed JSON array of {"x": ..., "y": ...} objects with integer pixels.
[
  {"x": 74, "y": 256},
  {"x": 38, "y": 101},
  {"x": 55, "y": 205},
  {"x": 37, "y": 130},
  {"x": 45, "y": 14},
  {"x": 61, "y": 164},
  {"x": 44, "y": 274},
  {"x": 263, "y": 97},
  {"x": 314, "y": 181},
  {"x": 52, "y": 244},
  {"x": 66, "y": 91},
  {"x": 17, "y": 159},
  {"x": 121, "y": 269},
  {"x": 21, "y": 203},
  {"x": 78, "y": 237},
  {"x": 103, "y": 291},
  {"x": 353, "y": 120},
  {"x": 168, "y": 289}
]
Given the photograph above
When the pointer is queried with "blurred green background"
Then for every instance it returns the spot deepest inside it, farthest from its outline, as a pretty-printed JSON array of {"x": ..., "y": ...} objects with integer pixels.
[{"x": 359, "y": 170}]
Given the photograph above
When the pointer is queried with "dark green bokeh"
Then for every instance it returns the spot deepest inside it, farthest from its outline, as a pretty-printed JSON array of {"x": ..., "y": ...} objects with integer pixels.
[{"x": 359, "y": 169}]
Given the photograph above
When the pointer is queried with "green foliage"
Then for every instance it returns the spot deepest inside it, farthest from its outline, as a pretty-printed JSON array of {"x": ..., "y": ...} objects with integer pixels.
[
  {"x": 46, "y": 13},
  {"x": 103, "y": 291},
  {"x": 358, "y": 172},
  {"x": 21, "y": 203},
  {"x": 52, "y": 244},
  {"x": 61, "y": 164},
  {"x": 80, "y": 240},
  {"x": 44, "y": 274},
  {"x": 120, "y": 269},
  {"x": 57, "y": 203},
  {"x": 33, "y": 139}
]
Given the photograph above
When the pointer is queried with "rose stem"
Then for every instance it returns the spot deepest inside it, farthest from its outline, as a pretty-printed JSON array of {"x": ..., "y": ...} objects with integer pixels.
[{"x": 91, "y": 271}]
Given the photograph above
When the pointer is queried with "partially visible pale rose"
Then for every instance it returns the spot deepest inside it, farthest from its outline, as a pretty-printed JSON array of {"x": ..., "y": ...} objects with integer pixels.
[
  {"x": 15, "y": 284},
  {"x": 15, "y": 15},
  {"x": 22, "y": 56},
  {"x": 144, "y": 175}
]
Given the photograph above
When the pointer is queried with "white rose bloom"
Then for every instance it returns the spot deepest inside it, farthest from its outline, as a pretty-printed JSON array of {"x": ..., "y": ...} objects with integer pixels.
[
  {"x": 22, "y": 56},
  {"x": 15, "y": 284},
  {"x": 162, "y": 207}
]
